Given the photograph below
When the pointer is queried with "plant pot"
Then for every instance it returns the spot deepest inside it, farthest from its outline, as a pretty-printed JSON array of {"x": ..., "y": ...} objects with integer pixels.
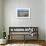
[{"x": 3, "y": 41}]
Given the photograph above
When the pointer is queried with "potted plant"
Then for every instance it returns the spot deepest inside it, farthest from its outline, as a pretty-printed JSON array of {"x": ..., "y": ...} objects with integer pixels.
[{"x": 2, "y": 37}]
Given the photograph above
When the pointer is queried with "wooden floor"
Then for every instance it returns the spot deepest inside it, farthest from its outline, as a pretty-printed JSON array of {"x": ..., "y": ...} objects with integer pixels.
[{"x": 40, "y": 42}]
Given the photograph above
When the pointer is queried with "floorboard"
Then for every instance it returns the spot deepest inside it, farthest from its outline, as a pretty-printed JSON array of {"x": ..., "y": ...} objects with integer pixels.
[{"x": 25, "y": 43}]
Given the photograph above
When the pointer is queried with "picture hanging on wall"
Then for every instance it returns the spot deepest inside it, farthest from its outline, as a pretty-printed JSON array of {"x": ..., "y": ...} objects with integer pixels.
[{"x": 23, "y": 12}]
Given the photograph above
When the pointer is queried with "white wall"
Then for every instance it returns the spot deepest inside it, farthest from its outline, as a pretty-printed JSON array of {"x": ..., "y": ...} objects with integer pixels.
[
  {"x": 10, "y": 13},
  {"x": 37, "y": 17},
  {"x": 0, "y": 18},
  {"x": 0, "y": 11},
  {"x": 45, "y": 19}
]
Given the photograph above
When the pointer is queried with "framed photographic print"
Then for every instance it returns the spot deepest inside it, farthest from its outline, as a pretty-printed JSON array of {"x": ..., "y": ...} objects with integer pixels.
[{"x": 23, "y": 12}]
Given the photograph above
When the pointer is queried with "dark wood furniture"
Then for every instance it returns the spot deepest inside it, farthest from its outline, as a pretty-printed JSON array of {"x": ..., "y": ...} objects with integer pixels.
[{"x": 27, "y": 33}]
